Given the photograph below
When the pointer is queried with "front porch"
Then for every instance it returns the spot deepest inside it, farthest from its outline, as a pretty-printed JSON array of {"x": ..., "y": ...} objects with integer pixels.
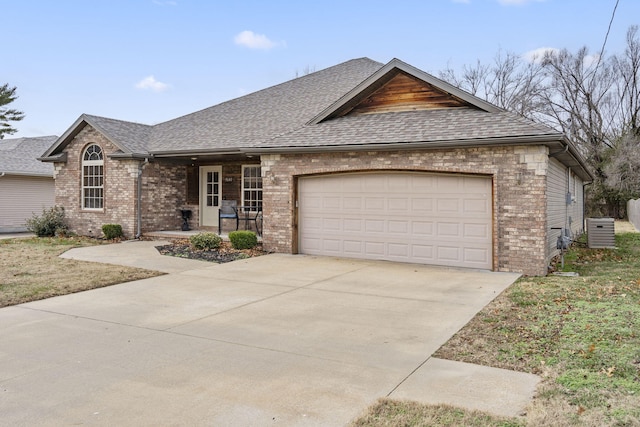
[{"x": 202, "y": 186}]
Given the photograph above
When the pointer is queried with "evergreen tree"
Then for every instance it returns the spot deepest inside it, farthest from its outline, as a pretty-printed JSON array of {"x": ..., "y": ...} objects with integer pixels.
[{"x": 7, "y": 96}]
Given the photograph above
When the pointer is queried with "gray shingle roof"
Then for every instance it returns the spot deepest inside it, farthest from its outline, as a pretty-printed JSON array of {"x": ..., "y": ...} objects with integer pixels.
[
  {"x": 286, "y": 115},
  {"x": 18, "y": 156},
  {"x": 458, "y": 124},
  {"x": 249, "y": 120},
  {"x": 129, "y": 136}
]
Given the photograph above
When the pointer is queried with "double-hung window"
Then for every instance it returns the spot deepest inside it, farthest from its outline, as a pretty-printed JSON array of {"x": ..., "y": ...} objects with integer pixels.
[
  {"x": 93, "y": 178},
  {"x": 252, "y": 187}
]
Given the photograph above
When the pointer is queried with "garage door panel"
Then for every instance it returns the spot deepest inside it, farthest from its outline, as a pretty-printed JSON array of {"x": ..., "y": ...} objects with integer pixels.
[
  {"x": 398, "y": 250},
  {"x": 332, "y": 246},
  {"x": 450, "y": 253},
  {"x": 449, "y": 229},
  {"x": 352, "y": 203},
  {"x": 372, "y": 182},
  {"x": 398, "y": 204},
  {"x": 423, "y": 253},
  {"x": 476, "y": 231},
  {"x": 374, "y": 249},
  {"x": 422, "y": 205},
  {"x": 477, "y": 256},
  {"x": 311, "y": 202},
  {"x": 422, "y": 228},
  {"x": 398, "y": 182},
  {"x": 476, "y": 206},
  {"x": 374, "y": 226},
  {"x": 448, "y": 206},
  {"x": 352, "y": 247},
  {"x": 424, "y": 184},
  {"x": 331, "y": 224},
  {"x": 352, "y": 225},
  {"x": 398, "y": 227},
  {"x": 409, "y": 217},
  {"x": 331, "y": 203},
  {"x": 374, "y": 203}
]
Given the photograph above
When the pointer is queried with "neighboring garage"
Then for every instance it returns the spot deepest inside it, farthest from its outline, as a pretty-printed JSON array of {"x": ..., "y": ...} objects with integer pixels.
[
  {"x": 26, "y": 185},
  {"x": 418, "y": 217}
]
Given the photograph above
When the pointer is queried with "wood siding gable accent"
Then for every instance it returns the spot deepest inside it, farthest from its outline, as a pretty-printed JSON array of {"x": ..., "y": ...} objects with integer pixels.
[{"x": 403, "y": 92}]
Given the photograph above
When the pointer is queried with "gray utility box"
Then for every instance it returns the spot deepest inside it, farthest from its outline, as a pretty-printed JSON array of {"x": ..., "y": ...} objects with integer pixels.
[{"x": 601, "y": 233}]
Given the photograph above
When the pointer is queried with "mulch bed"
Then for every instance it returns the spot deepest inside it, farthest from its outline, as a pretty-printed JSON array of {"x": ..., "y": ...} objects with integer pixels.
[{"x": 182, "y": 248}]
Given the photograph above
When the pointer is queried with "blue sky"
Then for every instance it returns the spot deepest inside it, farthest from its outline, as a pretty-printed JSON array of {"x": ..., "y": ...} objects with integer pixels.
[{"x": 149, "y": 61}]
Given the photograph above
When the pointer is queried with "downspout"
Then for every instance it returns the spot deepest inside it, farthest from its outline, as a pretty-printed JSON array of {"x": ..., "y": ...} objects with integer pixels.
[
  {"x": 584, "y": 207},
  {"x": 141, "y": 166}
]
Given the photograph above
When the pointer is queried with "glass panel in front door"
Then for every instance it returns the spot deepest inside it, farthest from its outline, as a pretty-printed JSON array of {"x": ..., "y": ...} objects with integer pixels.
[{"x": 213, "y": 189}]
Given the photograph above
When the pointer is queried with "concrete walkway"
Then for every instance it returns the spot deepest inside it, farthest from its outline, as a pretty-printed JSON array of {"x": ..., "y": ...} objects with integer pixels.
[{"x": 274, "y": 340}]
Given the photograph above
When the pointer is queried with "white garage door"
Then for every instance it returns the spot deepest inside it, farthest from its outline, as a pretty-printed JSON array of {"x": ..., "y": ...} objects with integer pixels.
[{"x": 409, "y": 217}]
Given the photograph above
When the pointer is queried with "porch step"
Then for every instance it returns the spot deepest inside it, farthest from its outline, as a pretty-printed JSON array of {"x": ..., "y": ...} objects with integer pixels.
[{"x": 179, "y": 234}]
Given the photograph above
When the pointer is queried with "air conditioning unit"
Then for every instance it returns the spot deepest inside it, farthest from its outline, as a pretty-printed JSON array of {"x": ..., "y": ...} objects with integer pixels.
[{"x": 601, "y": 233}]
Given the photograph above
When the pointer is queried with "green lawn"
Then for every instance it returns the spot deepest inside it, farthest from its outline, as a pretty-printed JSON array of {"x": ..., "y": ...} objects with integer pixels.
[{"x": 580, "y": 334}]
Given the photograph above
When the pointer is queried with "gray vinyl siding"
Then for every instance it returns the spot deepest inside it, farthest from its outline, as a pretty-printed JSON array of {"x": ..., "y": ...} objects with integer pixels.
[
  {"x": 561, "y": 181},
  {"x": 21, "y": 197}
]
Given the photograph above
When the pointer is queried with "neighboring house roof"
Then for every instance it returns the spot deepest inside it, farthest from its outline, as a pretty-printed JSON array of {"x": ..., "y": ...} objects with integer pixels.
[
  {"x": 19, "y": 156},
  {"x": 342, "y": 107}
]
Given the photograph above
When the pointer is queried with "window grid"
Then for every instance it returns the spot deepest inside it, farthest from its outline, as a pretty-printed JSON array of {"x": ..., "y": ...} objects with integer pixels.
[
  {"x": 252, "y": 187},
  {"x": 93, "y": 178}
]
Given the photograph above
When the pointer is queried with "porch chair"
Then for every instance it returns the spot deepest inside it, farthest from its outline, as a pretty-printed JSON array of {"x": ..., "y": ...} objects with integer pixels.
[{"x": 228, "y": 210}]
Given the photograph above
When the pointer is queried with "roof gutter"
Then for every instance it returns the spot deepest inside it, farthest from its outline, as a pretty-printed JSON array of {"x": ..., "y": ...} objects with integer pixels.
[
  {"x": 198, "y": 152},
  {"x": 18, "y": 173},
  {"x": 542, "y": 139},
  {"x": 134, "y": 156}
]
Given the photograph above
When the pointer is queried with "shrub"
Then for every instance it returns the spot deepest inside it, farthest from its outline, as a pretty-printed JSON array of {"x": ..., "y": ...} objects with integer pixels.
[
  {"x": 50, "y": 223},
  {"x": 112, "y": 231},
  {"x": 206, "y": 241},
  {"x": 243, "y": 239}
]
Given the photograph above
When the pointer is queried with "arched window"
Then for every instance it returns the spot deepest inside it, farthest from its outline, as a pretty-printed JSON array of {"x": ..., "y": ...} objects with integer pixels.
[{"x": 93, "y": 178}]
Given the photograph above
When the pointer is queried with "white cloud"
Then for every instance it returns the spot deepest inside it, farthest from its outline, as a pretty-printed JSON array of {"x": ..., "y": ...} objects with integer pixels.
[
  {"x": 254, "y": 41},
  {"x": 536, "y": 55},
  {"x": 150, "y": 83}
]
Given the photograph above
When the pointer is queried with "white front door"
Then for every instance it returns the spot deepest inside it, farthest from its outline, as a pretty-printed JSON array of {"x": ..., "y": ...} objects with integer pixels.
[{"x": 210, "y": 194}]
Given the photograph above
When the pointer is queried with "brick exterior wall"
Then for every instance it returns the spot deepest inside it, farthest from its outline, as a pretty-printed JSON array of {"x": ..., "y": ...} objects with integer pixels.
[
  {"x": 518, "y": 174},
  {"x": 119, "y": 187},
  {"x": 164, "y": 191},
  {"x": 519, "y": 199}
]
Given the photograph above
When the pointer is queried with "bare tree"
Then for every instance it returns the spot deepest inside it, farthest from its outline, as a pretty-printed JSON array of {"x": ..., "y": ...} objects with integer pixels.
[
  {"x": 592, "y": 98},
  {"x": 509, "y": 82},
  {"x": 628, "y": 85}
]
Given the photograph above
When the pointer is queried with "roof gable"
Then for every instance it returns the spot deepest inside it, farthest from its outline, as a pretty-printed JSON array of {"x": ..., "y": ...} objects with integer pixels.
[
  {"x": 404, "y": 92},
  {"x": 130, "y": 138},
  {"x": 398, "y": 87}
]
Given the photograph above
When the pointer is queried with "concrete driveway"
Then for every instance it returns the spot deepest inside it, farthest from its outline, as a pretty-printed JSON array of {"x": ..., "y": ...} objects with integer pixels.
[{"x": 273, "y": 340}]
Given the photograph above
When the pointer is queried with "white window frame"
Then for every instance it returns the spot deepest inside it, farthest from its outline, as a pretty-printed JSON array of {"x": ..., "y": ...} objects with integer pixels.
[
  {"x": 92, "y": 184},
  {"x": 252, "y": 186}
]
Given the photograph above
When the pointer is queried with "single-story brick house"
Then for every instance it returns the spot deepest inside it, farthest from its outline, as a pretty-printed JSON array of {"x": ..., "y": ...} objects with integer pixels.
[
  {"x": 361, "y": 159},
  {"x": 26, "y": 185}
]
